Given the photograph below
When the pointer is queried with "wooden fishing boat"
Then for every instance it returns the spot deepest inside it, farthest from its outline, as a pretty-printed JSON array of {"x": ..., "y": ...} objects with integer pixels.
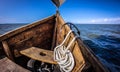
[{"x": 32, "y": 48}]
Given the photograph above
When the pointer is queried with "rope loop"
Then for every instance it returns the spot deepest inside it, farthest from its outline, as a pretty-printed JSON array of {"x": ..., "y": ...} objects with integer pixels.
[{"x": 63, "y": 55}]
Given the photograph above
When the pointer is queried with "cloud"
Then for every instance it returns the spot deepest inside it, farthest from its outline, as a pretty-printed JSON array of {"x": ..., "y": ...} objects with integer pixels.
[
  {"x": 93, "y": 21},
  {"x": 106, "y": 20}
]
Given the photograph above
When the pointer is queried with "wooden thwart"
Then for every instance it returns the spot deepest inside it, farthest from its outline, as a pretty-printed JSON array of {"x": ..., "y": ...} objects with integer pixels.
[
  {"x": 6, "y": 65},
  {"x": 39, "y": 54}
]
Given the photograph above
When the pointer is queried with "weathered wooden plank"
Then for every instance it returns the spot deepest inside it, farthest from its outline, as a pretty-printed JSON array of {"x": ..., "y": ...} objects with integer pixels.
[
  {"x": 21, "y": 29},
  {"x": 7, "y": 65},
  {"x": 91, "y": 58},
  {"x": 82, "y": 53},
  {"x": 79, "y": 59},
  {"x": 54, "y": 34},
  {"x": 39, "y": 54},
  {"x": 37, "y": 34},
  {"x": 7, "y": 50}
]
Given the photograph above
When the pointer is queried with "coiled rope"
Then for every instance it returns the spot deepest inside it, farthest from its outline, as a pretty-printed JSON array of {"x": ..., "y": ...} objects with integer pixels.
[{"x": 63, "y": 56}]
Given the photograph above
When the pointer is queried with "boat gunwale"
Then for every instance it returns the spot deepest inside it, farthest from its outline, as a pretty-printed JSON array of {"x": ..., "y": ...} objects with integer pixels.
[
  {"x": 23, "y": 28},
  {"x": 88, "y": 54}
]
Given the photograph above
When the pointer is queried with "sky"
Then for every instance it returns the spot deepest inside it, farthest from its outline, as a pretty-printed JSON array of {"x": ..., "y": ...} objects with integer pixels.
[{"x": 76, "y": 11}]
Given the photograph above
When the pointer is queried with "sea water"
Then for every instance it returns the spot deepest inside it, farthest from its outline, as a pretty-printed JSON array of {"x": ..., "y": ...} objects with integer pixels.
[{"x": 103, "y": 39}]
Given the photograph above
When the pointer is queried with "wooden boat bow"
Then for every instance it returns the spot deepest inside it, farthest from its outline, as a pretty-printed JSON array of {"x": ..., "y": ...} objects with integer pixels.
[{"x": 22, "y": 45}]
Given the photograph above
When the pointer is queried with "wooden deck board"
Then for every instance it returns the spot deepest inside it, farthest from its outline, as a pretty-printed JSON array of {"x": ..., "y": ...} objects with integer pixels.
[
  {"x": 6, "y": 65},
  {"x": 39, "y": 54}
]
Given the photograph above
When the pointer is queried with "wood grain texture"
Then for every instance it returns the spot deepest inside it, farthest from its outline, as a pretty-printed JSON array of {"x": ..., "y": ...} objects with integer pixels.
[
  {"x": 82, "y": 53},
  {"x": 39, "y": 34},
  {"x": 7, "y": 50},
  {"x": 91, "y": 58},
  {"x": 6, "y": 65},
  {"x": 39, "y": 54},
  {"x": 79, "y": 59},
  {"x": 26, "y": 27}
]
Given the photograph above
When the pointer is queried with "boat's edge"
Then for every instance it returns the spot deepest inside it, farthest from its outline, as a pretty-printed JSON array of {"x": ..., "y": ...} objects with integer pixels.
[
  {"x": 23, "y": 28},
  {"x": 87, "y": 52},
  {"x": 90, "y": 56},
  {"x": 84, "y": 48}
]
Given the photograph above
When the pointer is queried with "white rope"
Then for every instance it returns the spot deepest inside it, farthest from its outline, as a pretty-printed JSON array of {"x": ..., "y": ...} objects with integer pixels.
[{"x": 63, "y": 56}]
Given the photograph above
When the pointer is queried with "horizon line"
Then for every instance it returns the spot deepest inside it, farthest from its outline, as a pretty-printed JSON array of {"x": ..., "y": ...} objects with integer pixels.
[{"x": 71, "y": 22}]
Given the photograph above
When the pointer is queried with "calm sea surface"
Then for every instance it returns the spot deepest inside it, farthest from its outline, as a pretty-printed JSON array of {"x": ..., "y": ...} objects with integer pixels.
[{"x": 103, "y": 39}]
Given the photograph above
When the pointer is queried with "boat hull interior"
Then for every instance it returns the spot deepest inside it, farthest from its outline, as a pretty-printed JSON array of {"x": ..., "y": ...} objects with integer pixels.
[{"x": 46, "y": 34}]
